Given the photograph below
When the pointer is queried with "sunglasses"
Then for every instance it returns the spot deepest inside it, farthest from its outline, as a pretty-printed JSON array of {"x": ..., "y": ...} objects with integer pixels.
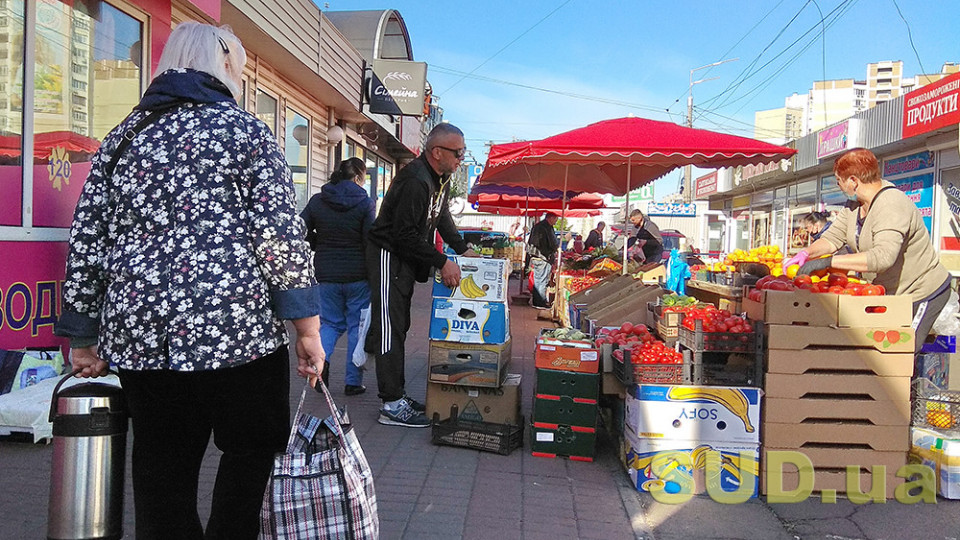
[
  {"x": 457, "y": 152},
  {"x": 223, "y": 45}
]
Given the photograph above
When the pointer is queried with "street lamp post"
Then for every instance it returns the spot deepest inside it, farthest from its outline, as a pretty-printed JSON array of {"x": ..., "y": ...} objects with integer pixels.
[{"x": 687, "y": 188}]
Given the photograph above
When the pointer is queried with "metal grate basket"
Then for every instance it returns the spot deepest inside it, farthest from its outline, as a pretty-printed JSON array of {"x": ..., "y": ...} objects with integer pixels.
[{"x": 935, "y": 408}]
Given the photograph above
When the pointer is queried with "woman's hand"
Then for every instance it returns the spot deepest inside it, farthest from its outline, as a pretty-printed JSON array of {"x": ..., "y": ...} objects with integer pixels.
[
  {"x": 88, "y": 361},
  {"x": 310, "y": 355}
]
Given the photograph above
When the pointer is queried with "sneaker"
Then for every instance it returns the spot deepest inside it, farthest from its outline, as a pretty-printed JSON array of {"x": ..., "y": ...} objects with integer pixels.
[
  {"x": 404, "y": 415},
  {"x": 414, "y": 404},
  {"x": 354, "y": 390}
]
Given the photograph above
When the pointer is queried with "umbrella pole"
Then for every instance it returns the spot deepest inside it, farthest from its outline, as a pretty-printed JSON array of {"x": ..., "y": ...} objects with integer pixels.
[
  {"x": 563, "y": 216},
  {"x": 626, "y": 219},
  {"x": 523, "y": 232}
]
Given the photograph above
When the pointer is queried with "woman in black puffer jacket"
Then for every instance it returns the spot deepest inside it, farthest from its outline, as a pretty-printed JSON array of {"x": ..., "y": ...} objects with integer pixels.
[{"x": 338, "y": 219}]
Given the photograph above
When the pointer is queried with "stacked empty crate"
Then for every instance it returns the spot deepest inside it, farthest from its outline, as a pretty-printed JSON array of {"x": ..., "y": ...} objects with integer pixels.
[
  {"x": 471, "y": 398},
  {"x": 565, "y": 404},
  {"x": 838, "y": 372}
]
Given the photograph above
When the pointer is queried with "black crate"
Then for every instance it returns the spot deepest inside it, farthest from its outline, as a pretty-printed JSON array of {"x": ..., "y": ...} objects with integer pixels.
[
  {"x": 485, "y": 436},
  {"x": 699, "y": 341},
  {"x": 708, "y": 369},
  {"x": 629, "y": 373}
]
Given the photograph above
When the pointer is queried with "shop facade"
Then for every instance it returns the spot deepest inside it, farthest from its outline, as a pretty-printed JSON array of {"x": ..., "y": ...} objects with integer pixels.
[
  {"x": 765, "y": 205},
  {"x": 71, "y": 71}
]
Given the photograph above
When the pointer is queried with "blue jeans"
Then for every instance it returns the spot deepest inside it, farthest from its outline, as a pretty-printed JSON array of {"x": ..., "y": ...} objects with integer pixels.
[
  {"x": 340, "y": 305},
  {"x": 541, "y": 280}
]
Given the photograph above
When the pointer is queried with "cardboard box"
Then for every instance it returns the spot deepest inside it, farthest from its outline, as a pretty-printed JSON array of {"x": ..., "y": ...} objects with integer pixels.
[
  {"x": 605, "y": 287},
  {"x": 468, "y": 364},
  {"x": 565, "y": 410},
  {"x": 712, "y": 413},
  {"x": 803, "y": 337},
  {"x": 475, "y": 403},
  {"x": 469, "y": 321},
  {"x": 935, "y": 367},
  {"x": 942, "y": 454},
  {"x": 851, "y": 433},
  {"x": 834, "y": 482},
  {"x": 480, "y": 279},
  {"x": 667, "y": 332},
  {"x": 552, "y": 440},
  {"x": 802, "y": 307},
  {"x": 559, "y": 357},
  {"x": 740, "y": 461},
  {"x": 838, "y": 387},
  {"x": 633, "y": 310},
  {"x": 865, "y": 411},
  {"x": 839, "y": 362},
  {"x": 568, "y": 383}
]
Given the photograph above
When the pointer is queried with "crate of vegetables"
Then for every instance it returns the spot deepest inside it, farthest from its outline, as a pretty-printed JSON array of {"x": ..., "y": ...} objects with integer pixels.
[
  {"x": 709, "y": 329},
  {"x": 652, "y": 362}
]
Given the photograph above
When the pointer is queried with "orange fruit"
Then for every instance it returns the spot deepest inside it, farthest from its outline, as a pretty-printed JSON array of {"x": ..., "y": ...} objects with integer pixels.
[
  {"x": 941, "y": 419},
  {"x": 792, "y": 270}
]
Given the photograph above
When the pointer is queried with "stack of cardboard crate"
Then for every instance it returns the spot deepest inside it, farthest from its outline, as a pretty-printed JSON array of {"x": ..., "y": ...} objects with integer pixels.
[
  {"x": 471, "y": 398},
  {"x": 565, "y": 404},
  {"x": 670, "y": 433},
  {"x": 838, "y": 374}
]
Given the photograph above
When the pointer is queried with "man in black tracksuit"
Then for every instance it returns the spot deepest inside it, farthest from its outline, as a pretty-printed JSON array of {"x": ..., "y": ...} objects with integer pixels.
[{"x": 401, "y": 250}]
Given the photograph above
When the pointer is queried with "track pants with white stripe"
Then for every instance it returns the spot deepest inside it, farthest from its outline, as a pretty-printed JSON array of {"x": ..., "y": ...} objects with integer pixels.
[{"x": 391, "y": 289}]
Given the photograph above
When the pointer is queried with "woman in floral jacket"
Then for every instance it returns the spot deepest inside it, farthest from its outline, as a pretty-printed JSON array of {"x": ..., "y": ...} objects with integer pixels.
[{"x": 183, "y": 264}]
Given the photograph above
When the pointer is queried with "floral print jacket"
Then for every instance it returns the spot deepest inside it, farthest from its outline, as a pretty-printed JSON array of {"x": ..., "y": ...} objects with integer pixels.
[{"x": 190, "y": 255}]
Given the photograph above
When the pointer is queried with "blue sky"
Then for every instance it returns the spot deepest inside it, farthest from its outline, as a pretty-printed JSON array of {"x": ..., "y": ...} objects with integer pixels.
[{"x": 634, "y": 57}]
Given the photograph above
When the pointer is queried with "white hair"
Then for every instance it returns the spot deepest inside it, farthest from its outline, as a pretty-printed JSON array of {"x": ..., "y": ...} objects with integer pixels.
[{"x": 200, "y": 46}]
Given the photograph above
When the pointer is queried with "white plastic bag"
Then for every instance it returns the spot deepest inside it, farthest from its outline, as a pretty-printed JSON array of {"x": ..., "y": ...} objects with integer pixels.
[
  {"x": 359, "y": 356},
  {"x": 948, "y": 323}
]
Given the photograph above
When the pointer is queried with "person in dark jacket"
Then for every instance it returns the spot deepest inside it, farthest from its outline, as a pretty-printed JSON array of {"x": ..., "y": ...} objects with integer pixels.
[
  {"x": 401, "y": 251},
  {"x": 185, "y": 259},
  {"x": 543, "y": 246},
  {"x": 338, "y": 220},
  {"x": 648, "y": 234},
  {"x": 816, "y": 224},
  {"x": 595, "y": 238}
]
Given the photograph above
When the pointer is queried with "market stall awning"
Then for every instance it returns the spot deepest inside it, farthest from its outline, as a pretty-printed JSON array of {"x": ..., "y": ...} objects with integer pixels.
[{"x": 616, "y": 156}]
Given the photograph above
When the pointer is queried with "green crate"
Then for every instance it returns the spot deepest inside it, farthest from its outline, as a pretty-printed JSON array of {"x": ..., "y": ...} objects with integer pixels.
[
  {"x": 564, "y": 410},
  {"x": 568, "y": 383},
  {"x": 567, "y": 441}
]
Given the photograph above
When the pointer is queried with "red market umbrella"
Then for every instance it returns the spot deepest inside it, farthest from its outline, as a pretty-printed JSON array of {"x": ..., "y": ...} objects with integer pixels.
[
  {"x": 510, "y": 211},
  {"x": 583, "y": 201},
  {"x": 616, "y": 156}
]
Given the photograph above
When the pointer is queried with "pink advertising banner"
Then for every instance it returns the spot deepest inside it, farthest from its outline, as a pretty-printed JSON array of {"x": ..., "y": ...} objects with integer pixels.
[
  {"x": 11, "y": 203},
  {"x": 56, "y": 189},
  {"x": 832, "y": 140},
  {"x": 30, "y": 277}
]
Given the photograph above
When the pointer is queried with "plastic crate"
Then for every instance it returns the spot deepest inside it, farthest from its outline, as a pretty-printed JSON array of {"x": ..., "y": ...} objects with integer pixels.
[
  {"x": 498, "y": 438},
  {"x": 699, "y": 341},
  {"x": 935, "y": 408},
  {"x": 629, "y": 373}
]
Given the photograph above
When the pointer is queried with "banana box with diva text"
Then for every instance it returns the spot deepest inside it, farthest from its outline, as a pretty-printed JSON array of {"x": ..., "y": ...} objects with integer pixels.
[
  {"x": 694, "y": 413},
  {"x": 480, "y": 279}
]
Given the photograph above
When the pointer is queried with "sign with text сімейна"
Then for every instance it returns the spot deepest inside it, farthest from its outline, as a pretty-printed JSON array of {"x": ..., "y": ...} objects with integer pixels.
[{"x": 397, "y": 87}]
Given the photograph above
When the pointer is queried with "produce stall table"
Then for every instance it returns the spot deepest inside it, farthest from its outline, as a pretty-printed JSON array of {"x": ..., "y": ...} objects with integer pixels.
[{"x": 714, "y": 293}]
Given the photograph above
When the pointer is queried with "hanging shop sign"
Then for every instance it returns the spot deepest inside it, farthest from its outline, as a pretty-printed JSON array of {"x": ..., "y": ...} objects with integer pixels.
[
  {"x": 672, "y": 209},
  {"x": 932, "y": 107},
  {"x": 705, "y": 185},
  {"x": 903, "y": 173},
  {"x": 397, "y": 87},
  {"x": 644, "y": 193},
  {"x": 836, "y": 139}
]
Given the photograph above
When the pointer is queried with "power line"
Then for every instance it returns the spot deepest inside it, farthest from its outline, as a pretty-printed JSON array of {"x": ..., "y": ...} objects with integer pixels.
[
  {"x": 525, "y": 32},
  {"x": 823, "y": 58},
  {"x": 910, "y": 35},
  {"x": 548, "y": 90}
]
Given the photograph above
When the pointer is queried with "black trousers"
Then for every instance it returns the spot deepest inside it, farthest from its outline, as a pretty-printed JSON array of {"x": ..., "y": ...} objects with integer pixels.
[
  {"x": 391, "y": 289},
  {"x": 248, "y": 411}
]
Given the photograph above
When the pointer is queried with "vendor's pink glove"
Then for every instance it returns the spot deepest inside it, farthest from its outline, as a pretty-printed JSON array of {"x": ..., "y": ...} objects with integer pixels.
[{"x": 798, "y": 259}]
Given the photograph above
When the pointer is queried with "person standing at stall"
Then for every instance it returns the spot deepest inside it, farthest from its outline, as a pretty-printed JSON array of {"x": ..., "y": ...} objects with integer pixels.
[
  {"x": 595, "y": 238},
  {"x": 401, "y": 251},
  {"x": 543, "y": 246},
  {"x": 186, "y": 256},
  {"x": 889, "y": 242},
  {"x": 338, "y": 219},
  {"x": 649, "y": 234}
]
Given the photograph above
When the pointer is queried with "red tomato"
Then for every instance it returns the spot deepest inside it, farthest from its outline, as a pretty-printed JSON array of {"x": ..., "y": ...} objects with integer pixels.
[
  {"x": 837, "y": 280},
  {"x": 802, "y": 280},
  {"x": 780, "y": 285},
  {"x": 626, "y": 328},
  {"x": 762, "y": 282},
  {"x": 836, "y": 289},
  {"x": 871, "y": 290}
]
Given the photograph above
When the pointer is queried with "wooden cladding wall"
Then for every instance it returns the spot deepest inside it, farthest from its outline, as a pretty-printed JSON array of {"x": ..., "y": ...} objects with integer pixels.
[
  {"x": 294, "y": 24},
  {"x": 340, "y": 63}
]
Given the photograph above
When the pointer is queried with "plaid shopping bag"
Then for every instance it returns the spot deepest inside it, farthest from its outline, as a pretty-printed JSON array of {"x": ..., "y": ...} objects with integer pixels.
[{"x": 322, "y": 486}]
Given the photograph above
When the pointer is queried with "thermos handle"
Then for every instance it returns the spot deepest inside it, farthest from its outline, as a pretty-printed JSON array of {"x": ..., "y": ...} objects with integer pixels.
[{"x": 56, "y": 390}]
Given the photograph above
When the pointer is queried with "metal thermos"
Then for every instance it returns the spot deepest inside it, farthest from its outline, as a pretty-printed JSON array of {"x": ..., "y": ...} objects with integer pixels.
[{"x": 87, "y": 472}]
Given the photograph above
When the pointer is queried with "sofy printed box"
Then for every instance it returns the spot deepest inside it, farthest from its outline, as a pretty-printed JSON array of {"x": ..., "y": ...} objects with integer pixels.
[
  {"x": 468, "y": 321},
  {"x": 694, "y": 413},
  {"x": 682, "y": 465},
  {"x": 941, "y": 453},
  {"x": 480, "y": 279}
]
